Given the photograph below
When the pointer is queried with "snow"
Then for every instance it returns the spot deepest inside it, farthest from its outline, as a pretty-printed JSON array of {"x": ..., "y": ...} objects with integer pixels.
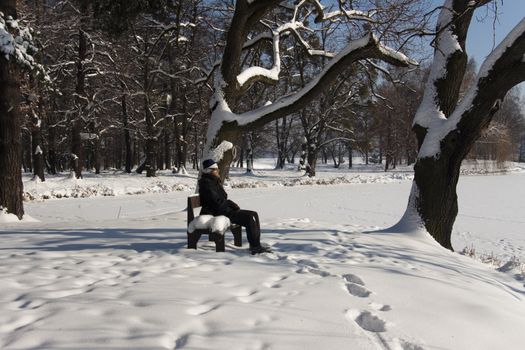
[
  {"x": 273, "y": 73},
  {"x": 217, "y": 224},
  {"x": 16, "y": 41},
  {"x": 446, "y": 44},
  {"x": 218, "y": 152},
  {"x": 7, "y": 41},
  {"x": 5, "y": 217},
  {"x": 114, "y": 272}
]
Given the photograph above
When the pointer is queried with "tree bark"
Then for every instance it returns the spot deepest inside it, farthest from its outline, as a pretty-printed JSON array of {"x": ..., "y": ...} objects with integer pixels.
[{"x": 11, "y": 188}]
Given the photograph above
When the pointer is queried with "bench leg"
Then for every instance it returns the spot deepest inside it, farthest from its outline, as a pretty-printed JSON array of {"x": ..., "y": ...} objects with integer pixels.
[
  {"x": 237, "y": 235},
  {"x": 193, "y": 238},
  {"x": 219, "y": 241}
]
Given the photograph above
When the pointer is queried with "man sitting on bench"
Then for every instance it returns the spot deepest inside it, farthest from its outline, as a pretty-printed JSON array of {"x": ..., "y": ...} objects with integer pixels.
[{"x": 214, "y": 201}]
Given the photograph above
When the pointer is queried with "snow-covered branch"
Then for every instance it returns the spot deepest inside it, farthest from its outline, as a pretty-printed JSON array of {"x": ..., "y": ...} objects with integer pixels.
[
  {"x": 502, "y": 69},
  {"x": 364, "y": 48},
  {"x": 294, "y": 26}
]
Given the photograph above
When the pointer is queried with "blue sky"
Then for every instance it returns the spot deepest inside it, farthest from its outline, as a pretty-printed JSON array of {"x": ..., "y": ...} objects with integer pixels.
[{"x": 481, "y": 34}]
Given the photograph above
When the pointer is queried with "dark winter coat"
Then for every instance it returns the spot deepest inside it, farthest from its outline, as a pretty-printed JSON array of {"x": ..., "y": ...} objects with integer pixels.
[{"x": 214, "y": 199}]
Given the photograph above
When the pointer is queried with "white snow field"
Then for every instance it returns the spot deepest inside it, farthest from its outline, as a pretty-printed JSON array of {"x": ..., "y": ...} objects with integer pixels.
[{"x": 114, "y": 272}]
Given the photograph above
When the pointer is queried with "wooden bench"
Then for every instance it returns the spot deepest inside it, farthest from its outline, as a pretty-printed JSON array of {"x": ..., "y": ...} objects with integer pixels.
[{"x": 217, "y": 237}]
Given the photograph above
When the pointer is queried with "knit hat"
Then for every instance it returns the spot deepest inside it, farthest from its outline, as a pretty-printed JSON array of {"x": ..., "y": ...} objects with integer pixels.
[{"x": 208, "y": 165}]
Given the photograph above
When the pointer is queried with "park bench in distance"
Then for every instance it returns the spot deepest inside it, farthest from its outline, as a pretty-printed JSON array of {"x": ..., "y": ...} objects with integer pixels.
[{"x": 199, "y": 227}]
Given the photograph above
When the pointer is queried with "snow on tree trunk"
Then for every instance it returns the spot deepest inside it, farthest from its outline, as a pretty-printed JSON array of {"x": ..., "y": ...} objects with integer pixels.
[{"x": 302, "y": 159}]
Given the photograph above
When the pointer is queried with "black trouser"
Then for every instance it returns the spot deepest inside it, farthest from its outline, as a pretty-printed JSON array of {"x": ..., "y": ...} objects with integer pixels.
[{"x": 250, "y": 220}]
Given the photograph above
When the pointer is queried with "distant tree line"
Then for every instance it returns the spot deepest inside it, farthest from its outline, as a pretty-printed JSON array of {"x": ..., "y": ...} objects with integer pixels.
[{"x": 129, "y": 93}]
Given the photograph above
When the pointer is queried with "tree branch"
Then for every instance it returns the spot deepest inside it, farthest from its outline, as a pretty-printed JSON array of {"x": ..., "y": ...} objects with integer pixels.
[{"x": 363, "y": 48}]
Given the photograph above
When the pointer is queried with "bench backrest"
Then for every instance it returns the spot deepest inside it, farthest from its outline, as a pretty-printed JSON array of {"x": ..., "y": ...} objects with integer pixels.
[{"x": 194, "y": 201}]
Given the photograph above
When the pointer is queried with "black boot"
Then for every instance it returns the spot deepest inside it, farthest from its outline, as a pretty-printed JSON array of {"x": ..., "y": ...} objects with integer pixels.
[{"x": 260, "y": 249}]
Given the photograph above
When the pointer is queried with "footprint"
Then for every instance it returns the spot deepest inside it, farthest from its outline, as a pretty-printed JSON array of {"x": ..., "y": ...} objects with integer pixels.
[
  {"x": 142, "y": 303},
  {"x": 357, "y": 290},
  {"x": 368, "y": 321},
  {"x": 353, "y": 279},
  {"x": 307, "y": 263},
  {"x": 181, "y": 341},
  {"x": 318, "y": 272},
  {"x": 201, "y": 309}
]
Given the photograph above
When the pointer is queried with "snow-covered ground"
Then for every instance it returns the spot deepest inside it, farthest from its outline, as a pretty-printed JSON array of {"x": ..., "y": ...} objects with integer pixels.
[{"x": 114, "y": 272}]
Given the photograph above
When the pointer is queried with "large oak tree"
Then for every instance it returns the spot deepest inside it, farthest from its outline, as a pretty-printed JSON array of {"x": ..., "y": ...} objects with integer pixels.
[{"x": 446, "y": 126}]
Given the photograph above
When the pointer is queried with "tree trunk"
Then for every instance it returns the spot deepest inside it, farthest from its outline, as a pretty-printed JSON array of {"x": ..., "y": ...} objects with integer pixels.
[
  {"x": 249, "y": 154},
  {"x": 151, "y": 138},
  {"x": 183, "y": 150},
  {"x": 522, "y": 151},
  {"x": 96, "y": 157},
  {"x": 311, "y": 159},
  {"x": 76, "y": 149},
  {"x": 127, "y": 136},
  {"x": 11, "y": 188},
  {"x": 27, "y": 158},
  {"x": 167, "y": 151},
  {"x": 160, "y": 152},
  {"x": 302, "y": 159},
  {"x": 36, "y": 148},
  {"x": 77, "y": 156},
  {"x": 51, "y": 150},
  {"x": 151, "y": 143},
  {"x": 350, "y": 155}
]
